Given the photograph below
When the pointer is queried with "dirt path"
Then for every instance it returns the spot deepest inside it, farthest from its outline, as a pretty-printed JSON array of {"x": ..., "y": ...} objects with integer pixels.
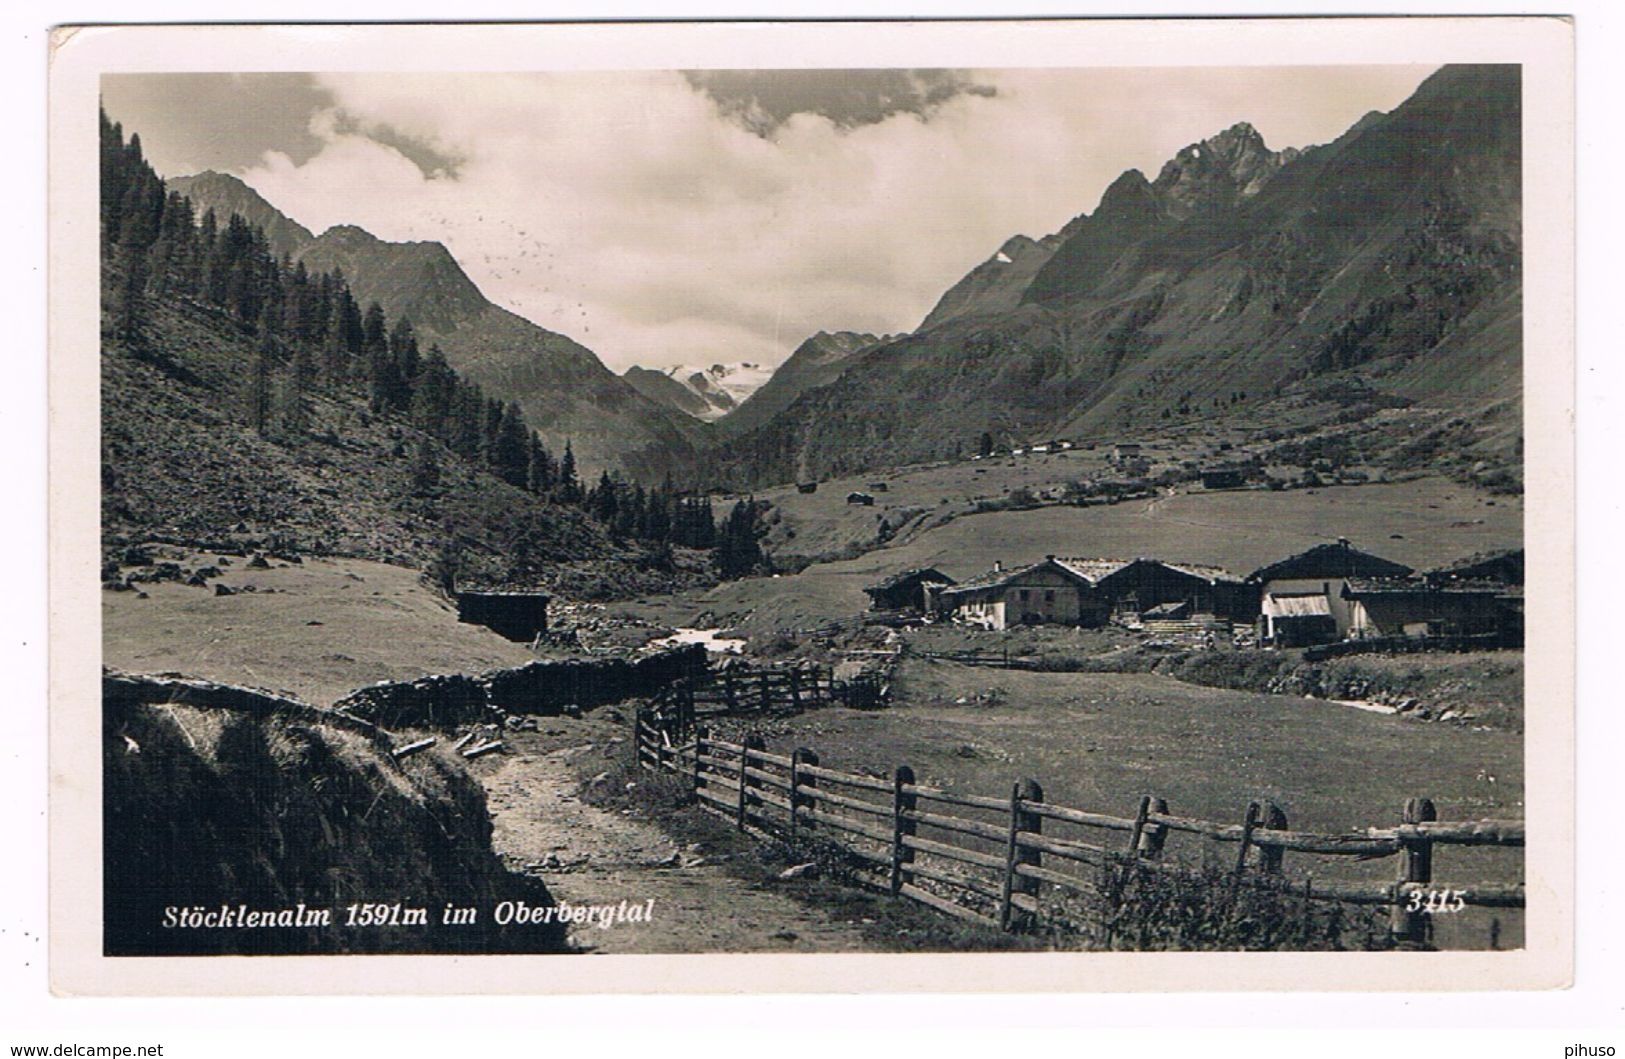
[{"x": 593, "y": 856}]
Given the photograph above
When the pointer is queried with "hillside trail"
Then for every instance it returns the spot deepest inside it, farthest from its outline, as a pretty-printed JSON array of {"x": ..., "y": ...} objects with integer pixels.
[{"x": 588, "y": 855}]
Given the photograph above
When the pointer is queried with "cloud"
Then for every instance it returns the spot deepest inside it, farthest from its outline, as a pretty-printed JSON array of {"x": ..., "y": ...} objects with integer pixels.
[
  {"x": 634, "y": 213},
  {"x": 762, "y": 100}
]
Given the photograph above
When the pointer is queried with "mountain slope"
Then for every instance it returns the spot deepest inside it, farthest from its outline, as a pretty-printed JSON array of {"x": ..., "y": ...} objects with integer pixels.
[
  {"x": 816, "y": 362},
  {"x": 997, "y": 284},
  {"x": 563, "y": 388},
  {"x": 1391, "y": 254},
  {"x": 662, "y": 388}
]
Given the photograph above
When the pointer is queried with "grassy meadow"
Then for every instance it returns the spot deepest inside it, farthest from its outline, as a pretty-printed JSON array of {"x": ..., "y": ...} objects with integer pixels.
[
  {"x": 1102, "y": 741},
  {"x": 317, "y": 630}
]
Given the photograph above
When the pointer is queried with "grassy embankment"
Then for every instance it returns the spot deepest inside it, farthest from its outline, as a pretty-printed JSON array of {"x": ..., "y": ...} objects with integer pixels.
[{"x": 315, "y": 630}]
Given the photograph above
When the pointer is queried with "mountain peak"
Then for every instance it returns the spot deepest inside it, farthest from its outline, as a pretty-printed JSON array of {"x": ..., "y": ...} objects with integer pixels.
[
  {"x": 351, "y": 234},
  {"x": 227, "y": 194},
  {"x": 1215, "y": 173}
]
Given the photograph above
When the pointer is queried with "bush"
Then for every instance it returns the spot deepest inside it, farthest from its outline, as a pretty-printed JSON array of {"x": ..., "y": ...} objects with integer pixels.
[{"x": 1140, "y": 909}]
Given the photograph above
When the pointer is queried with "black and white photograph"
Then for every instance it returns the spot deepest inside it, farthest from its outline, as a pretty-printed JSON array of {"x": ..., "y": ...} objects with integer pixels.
[{"x": 675, "y": 506}]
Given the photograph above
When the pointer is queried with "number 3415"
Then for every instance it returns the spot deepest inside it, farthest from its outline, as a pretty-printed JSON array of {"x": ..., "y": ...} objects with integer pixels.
[{"x": 1436, "y": 902}]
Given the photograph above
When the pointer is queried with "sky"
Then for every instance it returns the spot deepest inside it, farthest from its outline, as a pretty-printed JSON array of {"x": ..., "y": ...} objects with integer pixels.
[{"x": 668, "y": 217}]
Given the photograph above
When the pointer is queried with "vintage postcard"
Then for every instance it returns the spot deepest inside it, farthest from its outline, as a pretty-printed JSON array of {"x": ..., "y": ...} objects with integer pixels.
[{"x": 930, "y": 506}]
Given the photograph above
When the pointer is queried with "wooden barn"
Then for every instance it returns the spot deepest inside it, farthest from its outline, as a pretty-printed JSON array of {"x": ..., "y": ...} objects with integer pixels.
[
  {"x": 519, "y": 616},
  {"x": 1301, "y": 599},
  {"x": 1412, "y": 608},
  {"x": 909, "y": 589},
  {"x": 1183, "y": 591}
]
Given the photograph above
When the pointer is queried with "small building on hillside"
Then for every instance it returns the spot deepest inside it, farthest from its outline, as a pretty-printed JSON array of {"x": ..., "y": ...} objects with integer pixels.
[
  {"x": 1412, "y": 608},
  {"x": 860, "y": 498},
  {"x": 1126, "y": 450},
  {"x": 1052, "y": 592},
  {"x": 1136, "y": 588},
  {"x": 517, "y": 615},
  {"x": 914, "y": 589},
  {"x": 1301, "y": 599},
  {"x": 1222, "y": 478},
  {"x": 806, "y": 487}
]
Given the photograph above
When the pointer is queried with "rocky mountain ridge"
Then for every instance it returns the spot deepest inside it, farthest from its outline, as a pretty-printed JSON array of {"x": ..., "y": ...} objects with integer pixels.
[
  {"x": 1389, "y": 257},
  {"x": 563, "y": 388}
]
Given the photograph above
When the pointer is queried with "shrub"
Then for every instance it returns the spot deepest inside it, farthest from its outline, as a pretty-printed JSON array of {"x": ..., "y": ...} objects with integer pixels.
[{"x": 1138, "y": 909}]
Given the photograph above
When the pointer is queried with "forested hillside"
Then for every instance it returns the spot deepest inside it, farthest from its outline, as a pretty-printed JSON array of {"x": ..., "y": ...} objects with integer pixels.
[{"x": 247, "y": 400}]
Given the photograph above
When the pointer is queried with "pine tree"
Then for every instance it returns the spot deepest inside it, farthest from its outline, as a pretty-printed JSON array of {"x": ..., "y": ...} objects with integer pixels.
[
  {"x": 569, "y": 487},
  {"x": 511, "y": 448},
  {"x": 261, "y": 393},
  {"x": 603, "y": 502},
  {"x": 739, "y": 544},
  {"x": 426, "y": 471},
  {"x": 541, "y": 473}
]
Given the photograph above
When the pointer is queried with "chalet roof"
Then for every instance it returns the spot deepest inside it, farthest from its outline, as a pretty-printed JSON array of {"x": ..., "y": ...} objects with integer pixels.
[
  {"x": 1079, "y": 569},
  {"x": 1093, "y": 570},
  {"x": 1330, "y": 560},
  {"x": 1356, "y": 587},
  {"x": 1207, "y": 573},
  {"x": 1493, "y": 565},
  {"x": 922, "y": 573},
  {"x": 1211, "y": 574},
  {"x": 517, "y": 593}
]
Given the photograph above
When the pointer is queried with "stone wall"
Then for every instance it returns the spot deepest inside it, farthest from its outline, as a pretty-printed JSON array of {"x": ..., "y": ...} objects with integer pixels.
[{"x": 540, "y": 687}]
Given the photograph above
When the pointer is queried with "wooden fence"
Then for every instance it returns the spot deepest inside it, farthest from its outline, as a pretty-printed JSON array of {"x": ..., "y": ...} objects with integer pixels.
[
  {"x": 735, "y": 690},
  {"x": 985, "y": 859}
]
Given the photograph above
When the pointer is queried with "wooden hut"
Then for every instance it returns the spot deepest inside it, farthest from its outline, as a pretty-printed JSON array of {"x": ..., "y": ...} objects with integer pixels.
[{"x": 908, "y": 589}]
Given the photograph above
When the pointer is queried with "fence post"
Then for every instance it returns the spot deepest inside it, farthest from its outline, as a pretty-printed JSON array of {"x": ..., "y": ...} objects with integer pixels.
[
  {"x": 701, "y": 733},
  {"x": 904, "y": 801},
  {"x": 753, "y": 743},
  {"x": 1270, "y": 857},
  {"x": 728, "y": 689},
  {"x": 1152, "y": 836},
  {"x": 795, "y": 689},
  {"x": 798, "y": 783},
  {"x": 685, "y": 705},
  {"x": 1415, "y": 866},
  {"x": 1020, "y": 821},
  {"x": 1254, "y": 813}
]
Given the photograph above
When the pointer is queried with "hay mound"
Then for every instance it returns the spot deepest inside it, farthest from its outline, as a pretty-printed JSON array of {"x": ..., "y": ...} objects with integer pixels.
[{"x": 223, "y": 798}]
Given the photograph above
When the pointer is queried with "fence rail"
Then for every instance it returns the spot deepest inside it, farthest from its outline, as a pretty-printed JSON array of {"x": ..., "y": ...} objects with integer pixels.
[
  {"x": 739, "y": 690},
  {"x": 986, "y": 859}
]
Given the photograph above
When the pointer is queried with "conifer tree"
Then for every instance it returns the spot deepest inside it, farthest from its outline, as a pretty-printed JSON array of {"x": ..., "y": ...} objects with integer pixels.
[{"x": 569, "y": 485}]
